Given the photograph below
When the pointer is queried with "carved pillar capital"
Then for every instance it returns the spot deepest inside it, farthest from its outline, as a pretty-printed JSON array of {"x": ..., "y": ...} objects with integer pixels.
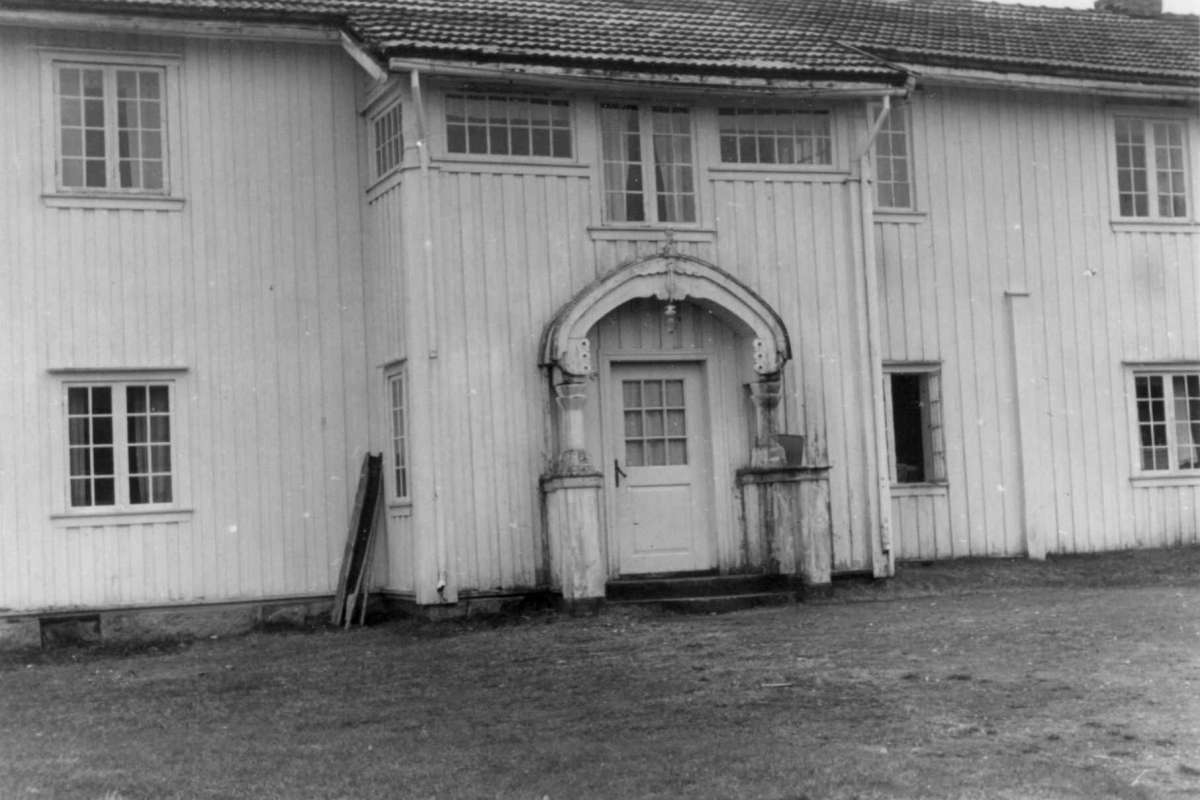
[
  {"x": 571, "y": 393},
  {"x": 766, "y": 393}
]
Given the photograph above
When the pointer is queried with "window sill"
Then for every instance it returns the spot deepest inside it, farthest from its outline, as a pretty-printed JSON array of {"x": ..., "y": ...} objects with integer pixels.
[
  {"x": 821, "y": 174},
  {"x": 920, "y": 489},
  {"x": 1145, "y": 481},
  {"x": 113, "y": 201},
  {"x": 400, "y": 508},
  {"x": 1154, "y": 226},
  {"x": 624, "y": 232},
  {"x": 517, "y": 166},
  {"x": 124, "y": 517},
  {"x": 904, "y": 217}
]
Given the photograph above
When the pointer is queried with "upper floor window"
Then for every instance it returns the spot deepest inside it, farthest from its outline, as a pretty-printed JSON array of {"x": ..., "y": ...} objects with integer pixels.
[
  {"x": 387, "y": 134},
  {"x": 757, "y": 136},
  {"x": 1168, "y": 420},
  {"x": 1151, "y": 168},
  {"x": 893, "y": 160},
  {"x": 648, "y": 169},
  {"x": 504, "y": 125},
  {"x": 119, "y": 445},
  {"x": 110, "y": 127},
  {"x": 913, "y": 395}
]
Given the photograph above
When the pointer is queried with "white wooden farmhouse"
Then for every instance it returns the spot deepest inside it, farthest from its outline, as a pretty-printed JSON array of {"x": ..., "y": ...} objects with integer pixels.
[{"x": 619, "y": 287}]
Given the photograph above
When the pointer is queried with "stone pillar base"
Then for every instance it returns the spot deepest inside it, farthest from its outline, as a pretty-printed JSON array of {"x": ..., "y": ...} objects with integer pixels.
[
  {"x": 786, "y": 513},
  {"x": 571, "y": 504}
]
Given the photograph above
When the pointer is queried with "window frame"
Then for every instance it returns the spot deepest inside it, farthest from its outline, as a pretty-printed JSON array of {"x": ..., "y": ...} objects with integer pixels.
[
  {"x": 1146, "y": 116},
  {"x": 119, "y": 380},
  {"x": 646, "y": 133},
  {"x": 443, "y": 135},
  {"x": 1173, "y": 473},
  {"x": 933, "y": 423},
  {"x": 398, "y": 372},
  {"x": 905, "y": 109},
  {"x": 54, "y": 194},
  {"x": 395, "y": 105},
  {"x": 833, "y": 130}
]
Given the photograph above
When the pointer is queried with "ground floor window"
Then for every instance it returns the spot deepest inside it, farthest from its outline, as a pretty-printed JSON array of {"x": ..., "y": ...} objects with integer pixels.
[
  {"x": 916, "y": 445},
  {"x": 1167, "y": 420},
  {"x": 397, "y": 387},
  {"x": 120, "y": 444}
]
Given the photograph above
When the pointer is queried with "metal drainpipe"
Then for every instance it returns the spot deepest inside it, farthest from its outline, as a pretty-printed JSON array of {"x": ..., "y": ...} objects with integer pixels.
[
  {"x": 874, "y": 357},
  {"x": 431, "y": 325}
]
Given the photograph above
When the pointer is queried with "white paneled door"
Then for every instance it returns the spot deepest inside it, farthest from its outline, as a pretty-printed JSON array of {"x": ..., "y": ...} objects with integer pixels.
[{"x": 661, "y": 469}]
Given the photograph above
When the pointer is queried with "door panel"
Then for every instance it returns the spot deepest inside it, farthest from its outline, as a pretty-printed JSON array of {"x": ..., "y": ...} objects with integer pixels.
[{"x": 662, "y": 513}]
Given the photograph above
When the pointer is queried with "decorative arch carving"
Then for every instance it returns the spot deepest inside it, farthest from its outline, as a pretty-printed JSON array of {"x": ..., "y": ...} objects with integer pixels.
[{"x": 670, "y": 278}]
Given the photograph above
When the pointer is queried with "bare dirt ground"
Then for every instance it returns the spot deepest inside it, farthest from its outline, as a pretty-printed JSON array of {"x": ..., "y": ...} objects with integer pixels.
[{"x": 1078, "y": 678}]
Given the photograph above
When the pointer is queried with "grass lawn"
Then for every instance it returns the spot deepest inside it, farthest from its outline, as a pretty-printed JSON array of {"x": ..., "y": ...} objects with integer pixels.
[{"x": 1075, "y": 679}]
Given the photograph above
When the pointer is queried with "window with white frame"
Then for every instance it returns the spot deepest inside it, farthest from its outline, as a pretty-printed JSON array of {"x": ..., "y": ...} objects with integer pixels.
[
  {"x": 766, "y": 136},
  {"x": 508, "y": 125},
  {"x": 110, "y": 127},
  {"x": 1151, "y": 163},
  {"x": 917, "y": 448},
  {"x": 1168, "y": 420},
  {"x": 388, "y": 138},
  {"x": 893, "y": 160},
  {"x": 120, "y": 450},
  {"x": 398, "y": 408},
  {"x": 648, "y": 169}
]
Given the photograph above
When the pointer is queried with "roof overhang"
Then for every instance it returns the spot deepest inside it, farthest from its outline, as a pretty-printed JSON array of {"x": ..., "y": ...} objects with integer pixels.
[
  {"x": 592, "y": 78},
  {"x": 174, "y": 26},
  {"x": 984, "y": 79}
]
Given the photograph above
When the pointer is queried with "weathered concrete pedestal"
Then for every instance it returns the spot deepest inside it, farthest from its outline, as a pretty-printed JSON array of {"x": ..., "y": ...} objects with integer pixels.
[
  {"x": 786, "y": 513},
  {"x": 572, "y": 513}
]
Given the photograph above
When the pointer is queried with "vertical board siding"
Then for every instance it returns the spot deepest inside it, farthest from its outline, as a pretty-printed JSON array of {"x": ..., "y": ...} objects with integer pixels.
[
  {"x": 1015, "y": 190},
  {"x": 254, "y": 287}
]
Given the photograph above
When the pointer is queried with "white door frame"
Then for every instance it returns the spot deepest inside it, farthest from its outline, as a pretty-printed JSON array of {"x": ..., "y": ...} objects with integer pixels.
[{"x": 705, "y": 482}]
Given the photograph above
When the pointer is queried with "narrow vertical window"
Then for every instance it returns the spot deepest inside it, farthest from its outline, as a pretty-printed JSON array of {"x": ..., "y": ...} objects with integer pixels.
[
  {"x": 643, "y": 150},
  {"x": 388, "y": 135},
  {"x": 918, "y": 450},
  {"x": 1151, "y": 164},
  {"x": 398, "y": 406},
  {"x": 110, "y": 132},
  {"x": 893, "y": 160},
  {"x": 1167, "y": 421}
]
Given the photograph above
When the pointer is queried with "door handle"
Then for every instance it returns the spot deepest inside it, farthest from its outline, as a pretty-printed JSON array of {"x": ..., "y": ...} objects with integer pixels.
[{"x": 618, "y": 473}]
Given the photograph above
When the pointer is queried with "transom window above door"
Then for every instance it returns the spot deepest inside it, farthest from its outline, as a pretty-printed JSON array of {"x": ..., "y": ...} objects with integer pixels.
[
  {"x": 648, "y": 165},
  {"x": 655, "y": 423}
]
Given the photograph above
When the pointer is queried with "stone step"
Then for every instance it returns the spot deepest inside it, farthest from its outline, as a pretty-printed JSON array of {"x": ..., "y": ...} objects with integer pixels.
[
  {"x": 711, "y": 604},
  {"x": 694, "y": 586}
]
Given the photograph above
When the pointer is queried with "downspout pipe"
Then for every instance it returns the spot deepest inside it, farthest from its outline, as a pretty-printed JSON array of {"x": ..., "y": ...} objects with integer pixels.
[
  {"x": 886, "y": 565},
  {"x": 445, "y": 592}
]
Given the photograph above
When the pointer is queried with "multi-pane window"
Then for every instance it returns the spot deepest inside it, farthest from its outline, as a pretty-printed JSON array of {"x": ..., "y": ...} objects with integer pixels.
[
  {"x": 655, "y": 423},
  {"x": 893, "y": 160},
  {"x": 1168, "y": 421},
  {"x": 756, "y": 136},
  {"x": 917, "y": 445},
  {"x": 110, "y": 127},
  {"x": 1151, "y": 168},
  {"x": 119, "y": 445},
  {"x": 388, "y": 133},
  {"x": 502, "y": 125},
  {"x": 398, "y": 406},
  {"x": 647, "y": 149}
]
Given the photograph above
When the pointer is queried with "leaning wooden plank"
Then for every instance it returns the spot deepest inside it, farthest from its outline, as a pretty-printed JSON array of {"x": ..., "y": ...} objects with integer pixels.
[
  {"x": 364, "y": 541},
  {"x": 339, "y": 599}
]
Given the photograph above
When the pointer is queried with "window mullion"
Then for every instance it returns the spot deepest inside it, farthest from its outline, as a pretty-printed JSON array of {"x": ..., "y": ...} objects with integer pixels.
[
  {"x": 111, "y": 150},
  {"x": 120, "y": 445},
  {"x": 1169, "y": 419},
  {"x": 649, "y": 184}
]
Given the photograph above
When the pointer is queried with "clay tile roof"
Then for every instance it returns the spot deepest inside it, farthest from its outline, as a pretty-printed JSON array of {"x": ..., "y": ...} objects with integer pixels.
[{"x": 802, "y": 39}]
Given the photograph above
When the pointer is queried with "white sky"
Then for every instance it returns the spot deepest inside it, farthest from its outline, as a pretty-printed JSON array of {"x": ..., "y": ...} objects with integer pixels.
[{"x": 1172, "y": 6}]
